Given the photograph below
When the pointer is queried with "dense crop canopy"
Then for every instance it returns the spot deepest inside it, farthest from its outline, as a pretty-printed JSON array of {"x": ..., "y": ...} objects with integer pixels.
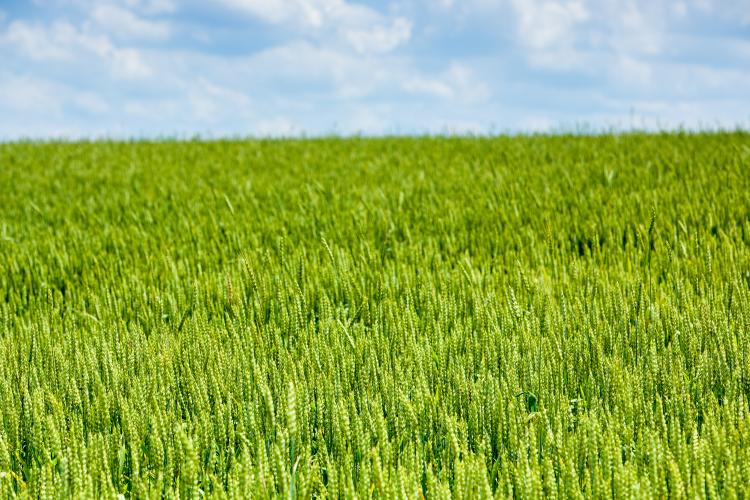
[{"x": 529, "y": 316}]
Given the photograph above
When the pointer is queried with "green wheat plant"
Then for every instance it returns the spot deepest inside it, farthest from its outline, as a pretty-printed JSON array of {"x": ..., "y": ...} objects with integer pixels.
[{"x": 526, "y": 317}]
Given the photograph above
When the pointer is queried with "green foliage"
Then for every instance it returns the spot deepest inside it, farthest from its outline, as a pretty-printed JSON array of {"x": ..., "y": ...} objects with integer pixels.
[{"x": 533, "y": 316}]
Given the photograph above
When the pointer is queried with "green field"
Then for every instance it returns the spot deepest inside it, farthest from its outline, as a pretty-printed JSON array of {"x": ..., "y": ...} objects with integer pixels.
[{"x": 383, "y": 318}]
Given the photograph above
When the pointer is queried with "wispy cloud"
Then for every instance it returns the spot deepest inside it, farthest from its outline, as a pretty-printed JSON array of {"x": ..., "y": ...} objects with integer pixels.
[
  {"x": 543, "y": 24},
  {"x": 124, "y": 24},
  {"x": 380, "y": 39},
  {"x": 458, "y": 83},
  {"x": 363, "y": 28}
]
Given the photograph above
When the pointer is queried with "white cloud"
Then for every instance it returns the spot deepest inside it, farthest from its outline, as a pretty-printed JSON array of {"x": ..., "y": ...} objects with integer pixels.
[
  {"x": 303, "y": 12},
  {"x": 432, "y": 87},
  {"x": 680, "y": 9},
  {"x": 143, "y": 7},
  {"x": 638, "y": 30},
  {"x": 550, "y": 32},
  {"x": 62, "y": 42},
  {"x": 633, "y": 71},
  {"x": 546, "y": 23},
  {"x": 705, "y": 6},
  {"x": 128, "y": 64},
  {"x": 90, "y": 102},
  {"x": 363, "y": 28},
  {"x": 337, "y": 68},
  {"x": 337, "y": 74},
  {"x": 45, "y": 108},
  {"x": 458, "y": 83},
  {"x": 594, "y": 37},
  {"x": 307, "y": 13},
  {"x": 38, "y": 42},
  {"x": 734, "y": 10},
  {"x": 209, "y": 101},
  {"x": 703, "y": 81},
  {"x": 158, "y": 7},
  {"x": 124, "y": 24},
  {"x": 380, "y": 39},
  {"x": 563, "y": 59},
  {"x": 25, "y": 94}
]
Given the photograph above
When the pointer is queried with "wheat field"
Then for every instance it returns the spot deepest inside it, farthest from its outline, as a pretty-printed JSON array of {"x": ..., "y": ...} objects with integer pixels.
[{"x": 532, "y": 316}]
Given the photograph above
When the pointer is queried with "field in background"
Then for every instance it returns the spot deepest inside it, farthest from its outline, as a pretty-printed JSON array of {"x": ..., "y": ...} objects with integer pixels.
[{"x": 382, "y": 317}]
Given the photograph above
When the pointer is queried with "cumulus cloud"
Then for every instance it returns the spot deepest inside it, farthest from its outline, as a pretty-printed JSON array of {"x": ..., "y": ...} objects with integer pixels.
[{"x": 566, "y": 35}]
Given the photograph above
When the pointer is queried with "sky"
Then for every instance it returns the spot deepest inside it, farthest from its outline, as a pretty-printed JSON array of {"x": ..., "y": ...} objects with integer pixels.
[{"x": 168, "y": 68}]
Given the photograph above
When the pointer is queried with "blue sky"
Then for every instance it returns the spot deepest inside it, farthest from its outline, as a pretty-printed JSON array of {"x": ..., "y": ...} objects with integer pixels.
[{"x": 150, "y": 68}]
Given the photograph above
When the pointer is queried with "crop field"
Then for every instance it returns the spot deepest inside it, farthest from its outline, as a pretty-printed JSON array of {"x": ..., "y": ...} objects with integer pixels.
[{"x": 528, "y": 317}]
